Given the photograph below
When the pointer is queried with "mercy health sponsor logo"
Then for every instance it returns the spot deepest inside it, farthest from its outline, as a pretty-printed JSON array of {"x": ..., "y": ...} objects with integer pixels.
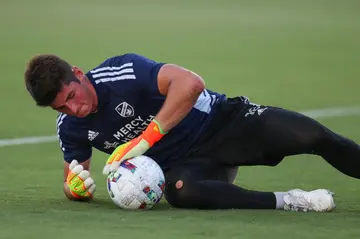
[{"x": 133, "y": 129}]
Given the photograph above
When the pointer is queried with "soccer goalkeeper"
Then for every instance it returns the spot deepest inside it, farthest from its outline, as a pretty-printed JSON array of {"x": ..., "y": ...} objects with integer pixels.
[{"x": 130, "y": 105}]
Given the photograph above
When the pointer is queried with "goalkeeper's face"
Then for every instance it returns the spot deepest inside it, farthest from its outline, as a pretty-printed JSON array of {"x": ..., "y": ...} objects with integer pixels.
[{"x": 76, "y": 98}]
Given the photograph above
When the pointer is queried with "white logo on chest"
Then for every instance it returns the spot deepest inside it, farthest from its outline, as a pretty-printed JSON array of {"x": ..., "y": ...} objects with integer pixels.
[
  {"x": 257, "y": 109},
  {"x": 125, "y": 110},
  {"x": 92, "y": 135}
]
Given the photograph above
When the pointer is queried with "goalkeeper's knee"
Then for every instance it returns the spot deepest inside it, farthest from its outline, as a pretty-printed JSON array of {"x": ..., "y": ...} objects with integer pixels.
[{"x": 178, "y": 194}]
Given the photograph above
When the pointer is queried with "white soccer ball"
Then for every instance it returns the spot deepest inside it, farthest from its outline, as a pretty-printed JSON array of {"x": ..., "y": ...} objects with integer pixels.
[{"x": 138, "y": 183}]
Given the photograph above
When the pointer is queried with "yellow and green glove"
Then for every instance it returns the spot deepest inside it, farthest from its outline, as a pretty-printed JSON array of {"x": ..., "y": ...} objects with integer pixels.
[
  {"x": 81, "y": 185},
  {"x": 134, "y": 147}
]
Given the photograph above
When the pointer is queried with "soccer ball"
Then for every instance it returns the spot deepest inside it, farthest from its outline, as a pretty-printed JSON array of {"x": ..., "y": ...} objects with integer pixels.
[{"x": 138, "y": 183}]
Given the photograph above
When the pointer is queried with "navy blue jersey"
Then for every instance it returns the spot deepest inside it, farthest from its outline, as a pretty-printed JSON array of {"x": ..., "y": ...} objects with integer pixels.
[{"x": 128, "y": 99}]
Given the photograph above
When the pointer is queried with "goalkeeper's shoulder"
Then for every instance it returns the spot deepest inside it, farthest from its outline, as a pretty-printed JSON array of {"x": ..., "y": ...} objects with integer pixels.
[{"x": 70, "y": 128}]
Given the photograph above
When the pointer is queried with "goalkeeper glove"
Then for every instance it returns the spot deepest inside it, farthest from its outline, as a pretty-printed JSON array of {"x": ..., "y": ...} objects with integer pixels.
[
  {"x": 134, "y": 147},
  {"x": 81, "y": 185}
]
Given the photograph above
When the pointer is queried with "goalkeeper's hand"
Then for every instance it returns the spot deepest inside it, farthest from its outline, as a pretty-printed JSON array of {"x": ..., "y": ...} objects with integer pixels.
[
  {"x": 81, "y": 185},
  {"x": 134, "y": 147}
]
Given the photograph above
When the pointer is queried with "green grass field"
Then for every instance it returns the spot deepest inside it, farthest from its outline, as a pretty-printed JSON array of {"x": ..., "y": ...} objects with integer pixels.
[{"x": 296, "y": 54}]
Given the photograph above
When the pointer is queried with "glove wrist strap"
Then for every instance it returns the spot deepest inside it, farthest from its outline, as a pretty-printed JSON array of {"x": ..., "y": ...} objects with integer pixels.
[{"x": 153, "y": 133}]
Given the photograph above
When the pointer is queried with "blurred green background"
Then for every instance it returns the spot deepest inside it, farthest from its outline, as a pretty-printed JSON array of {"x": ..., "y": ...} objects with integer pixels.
[{"x": 295, "y": 54}]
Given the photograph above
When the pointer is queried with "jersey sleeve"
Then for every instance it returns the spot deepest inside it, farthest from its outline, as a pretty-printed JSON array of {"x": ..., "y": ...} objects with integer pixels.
[
  {"x": 73, "y": 142},
  {"x": 131, "y": 73},
  {"x": 146, "y": 72}
]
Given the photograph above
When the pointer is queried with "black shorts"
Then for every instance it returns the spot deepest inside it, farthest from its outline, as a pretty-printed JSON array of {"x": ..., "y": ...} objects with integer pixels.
[
  {"x": 244, "y": 134},
  {"x": 239, "y": 135},
  {"x": 230, "y": 135}
]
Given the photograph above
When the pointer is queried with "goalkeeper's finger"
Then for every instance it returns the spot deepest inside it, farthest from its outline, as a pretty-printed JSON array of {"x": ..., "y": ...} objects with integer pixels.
[
  {"x": 114, "y": 166},
  {"x": 75, "y": 171},
  {"x": 84, "y": 174},
  {"x": 118, "y": 153},
  {"x": 73, "y": 164},
  {"x": 88, "y": 183},
  {"x": 92, "y": 189},
  {"x": 113, "y": 159},
  {"x": 106, "y": 169}
]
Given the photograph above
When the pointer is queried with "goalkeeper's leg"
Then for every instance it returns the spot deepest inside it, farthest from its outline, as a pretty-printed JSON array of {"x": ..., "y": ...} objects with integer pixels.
[
  {"x": 300, "y": 134},
  {"x": 202, "y": 186},
  {"x": 280, "y": 133},
  {"x": 246, "y": 134},
  {"x": 213, "y": 194}
]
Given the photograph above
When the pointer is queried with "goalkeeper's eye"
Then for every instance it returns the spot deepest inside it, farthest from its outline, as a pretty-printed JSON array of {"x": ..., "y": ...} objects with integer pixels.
[{"x": 71, "y": 95}]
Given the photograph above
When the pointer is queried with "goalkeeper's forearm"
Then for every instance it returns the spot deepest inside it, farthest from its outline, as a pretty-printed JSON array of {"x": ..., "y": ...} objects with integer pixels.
[
  {"x": 70, "y": 196},
  {"x": 182, "y": 89}
]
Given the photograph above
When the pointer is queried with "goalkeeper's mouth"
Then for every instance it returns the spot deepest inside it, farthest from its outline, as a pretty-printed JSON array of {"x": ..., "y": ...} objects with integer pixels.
[{"x": 83, "y": 111}]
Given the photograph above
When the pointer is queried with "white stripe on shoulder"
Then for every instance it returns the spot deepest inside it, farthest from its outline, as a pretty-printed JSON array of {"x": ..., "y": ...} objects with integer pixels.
[
  {"x": 123, "y": 77},
  {"x": 112, "y": 68},
  {"x": 60, "y": 120},
  {"x": 113, "y": 73}
]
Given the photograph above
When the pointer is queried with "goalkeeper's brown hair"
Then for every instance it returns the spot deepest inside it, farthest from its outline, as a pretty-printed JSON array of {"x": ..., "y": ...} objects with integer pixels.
[{"x": 44, "y": 77}]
